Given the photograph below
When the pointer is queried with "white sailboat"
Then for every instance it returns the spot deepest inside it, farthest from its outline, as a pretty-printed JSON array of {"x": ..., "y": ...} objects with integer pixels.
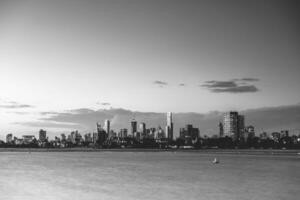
[{"x": 216, "y": 161}]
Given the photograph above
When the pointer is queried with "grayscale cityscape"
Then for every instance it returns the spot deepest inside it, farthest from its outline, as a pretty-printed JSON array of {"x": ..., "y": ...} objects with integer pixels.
[{"x": 149, "y": 99}]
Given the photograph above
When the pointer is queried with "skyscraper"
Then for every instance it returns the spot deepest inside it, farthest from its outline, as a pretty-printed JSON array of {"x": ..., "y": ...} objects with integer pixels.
[
  {"x": 230, "y": 124},
  {"x": 133, "y": 127},
  {"x": 107, "y": 126},
  {"x": 234, "y": 125},
  {"x": 169, "y": 127},
  {"x": 241, "y": 126},
  {"x": 101, "y": 134},
  {"x": 221, "y": 130},
  {"x": 142, "y": 129}
]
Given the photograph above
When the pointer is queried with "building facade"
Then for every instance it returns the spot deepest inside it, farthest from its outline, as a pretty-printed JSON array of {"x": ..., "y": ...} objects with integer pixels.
[{"x": 169, "y": 127}]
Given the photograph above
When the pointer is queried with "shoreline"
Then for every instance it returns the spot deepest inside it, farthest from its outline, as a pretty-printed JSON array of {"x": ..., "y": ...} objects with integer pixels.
[{"x": 205, "y": 151}]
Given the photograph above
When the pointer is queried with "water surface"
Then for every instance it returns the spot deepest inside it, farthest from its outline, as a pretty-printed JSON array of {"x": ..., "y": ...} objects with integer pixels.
[{"x": 147, "y": 175}]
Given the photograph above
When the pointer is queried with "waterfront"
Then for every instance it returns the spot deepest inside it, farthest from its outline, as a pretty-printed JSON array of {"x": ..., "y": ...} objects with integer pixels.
[{"x": 147, "y": 175}]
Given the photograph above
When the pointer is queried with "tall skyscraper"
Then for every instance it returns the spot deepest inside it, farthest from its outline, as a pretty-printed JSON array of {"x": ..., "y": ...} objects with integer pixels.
[
  {"x": 221, "y": 130},
  {"x": 142, "y": 129},
  {"x": 107, "y": 126},
  {"x": 101, "y": 134},
  {"x": 133, "y": 127},
  {"x": 234, "y": 125},
  {"x": 241, "y": 126},
  {"x": 230, "y": 124},
  {"x": 169, "y": 127}
]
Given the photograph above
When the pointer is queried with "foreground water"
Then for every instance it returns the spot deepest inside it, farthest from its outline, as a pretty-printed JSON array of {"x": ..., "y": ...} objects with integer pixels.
[{"x": 147, "y": 175}]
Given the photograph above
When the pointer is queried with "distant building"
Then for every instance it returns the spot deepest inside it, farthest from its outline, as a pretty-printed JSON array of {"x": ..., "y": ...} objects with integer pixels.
[
  {"x": 63, "y": 137},
  {"x": 42, "y": 135},
  {"x": 107, "y": 127},
  {"x": 189, "y": 134},
  {"x": 102, "y": 135},
  {"x": 142, "y": 130},
  {"x": 123, "y": 133},
  {"x": 160, "y": 134},
  {"x": 233, "y": 125},
  {"x": 88, "y": 138},
  {"x": 263, "y": 135},
  {"x": 9, "y": 138},
  {"x": 133, "y": 127},
  {"x": 27, "y": 139},
  {"x": 276, "y": 136},
  {"x": 284, "y": 133},
  {"x": 249, "y": 132},
  {"x": 241, "y": 126},
  {"x": 221, "y": 130},
  {"x": 169, "y": 127}
]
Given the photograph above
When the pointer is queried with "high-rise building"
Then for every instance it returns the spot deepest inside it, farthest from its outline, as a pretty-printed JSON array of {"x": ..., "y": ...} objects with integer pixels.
[
  {"x": 241, "y": 126},
  {"x": 133, "y": 127},
  {"x": 221, "y": 130},
  {"x": 230, "y": 124},
  {"x": 169, "y": 127},
  {"x": 101, "y": 134},
  {"x": 142, "y": 130},
  {"x": 234, "y": 125},
  {"x": 107, "y": 127},
  {"x": 42, "y": 135},
  {"x": 9, "y": 138},
  {"x": 189, "y": 134}
]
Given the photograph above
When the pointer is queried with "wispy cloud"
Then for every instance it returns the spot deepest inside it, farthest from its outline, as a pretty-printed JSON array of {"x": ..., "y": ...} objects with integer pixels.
[
  {"x": 103, "y": 103},
  {"x": 13, "y": 105},
  {"x": 247, "y": 79},
  {"x": 47, "y": 124},
  {"x": 232, "y": 86},
  {"x": 160, "y": 83}
]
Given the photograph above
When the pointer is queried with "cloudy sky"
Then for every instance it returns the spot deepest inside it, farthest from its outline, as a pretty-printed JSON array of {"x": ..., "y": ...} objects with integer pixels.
[{"x": 148, "y": 56}]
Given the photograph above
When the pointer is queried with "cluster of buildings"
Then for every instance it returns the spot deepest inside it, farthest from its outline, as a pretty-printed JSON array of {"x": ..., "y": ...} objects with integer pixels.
[{"x": 232, "y": 126}]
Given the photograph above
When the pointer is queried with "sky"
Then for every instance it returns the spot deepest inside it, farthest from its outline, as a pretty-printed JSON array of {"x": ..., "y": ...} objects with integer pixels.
[{"x": 148, "y": 56}]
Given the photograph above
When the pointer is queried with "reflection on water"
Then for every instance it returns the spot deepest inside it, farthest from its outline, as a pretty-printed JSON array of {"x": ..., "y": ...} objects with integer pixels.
[{"x": 146, "y": 175}]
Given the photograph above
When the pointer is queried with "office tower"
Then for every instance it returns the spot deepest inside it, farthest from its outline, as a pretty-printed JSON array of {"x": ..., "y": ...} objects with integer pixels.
[
  {"x": 189, "y": 134},
  {"x": 241, "y": 126},
  {"x": 9, "y": 138},
  {"x": 133, "y": 127},
  {"x": 221, "y": 130},
  {"x": 230, "y": 125},
  {"x": 101, "y": 134},
  {"x": 107, "y": 126},
  {"x": 169, "y": 127},
  {"x": 142, "y": 130},
  {"x": 42, "y": 135}
]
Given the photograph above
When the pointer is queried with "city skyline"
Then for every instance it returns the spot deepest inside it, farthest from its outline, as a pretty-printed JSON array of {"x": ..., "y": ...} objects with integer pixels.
[{"x": 61, "y": 60}]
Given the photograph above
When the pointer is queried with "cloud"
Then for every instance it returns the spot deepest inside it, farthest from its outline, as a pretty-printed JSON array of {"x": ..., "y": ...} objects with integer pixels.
[
  {"x": 248, "y": 79},
  {"x": 232, "y": 86},
  {"x": 160, "y": 83},
  {"x": 43, "y": 124},
  {"x": 13, "y": 105},
  {"x": 103, "y": 103},
  {"x": 181, "y": 84},
  {"x": 237, "y": 89}
]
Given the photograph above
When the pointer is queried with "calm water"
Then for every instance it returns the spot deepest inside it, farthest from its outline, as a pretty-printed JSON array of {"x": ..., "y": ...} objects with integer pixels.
[{"x": 147, "y": 175}]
